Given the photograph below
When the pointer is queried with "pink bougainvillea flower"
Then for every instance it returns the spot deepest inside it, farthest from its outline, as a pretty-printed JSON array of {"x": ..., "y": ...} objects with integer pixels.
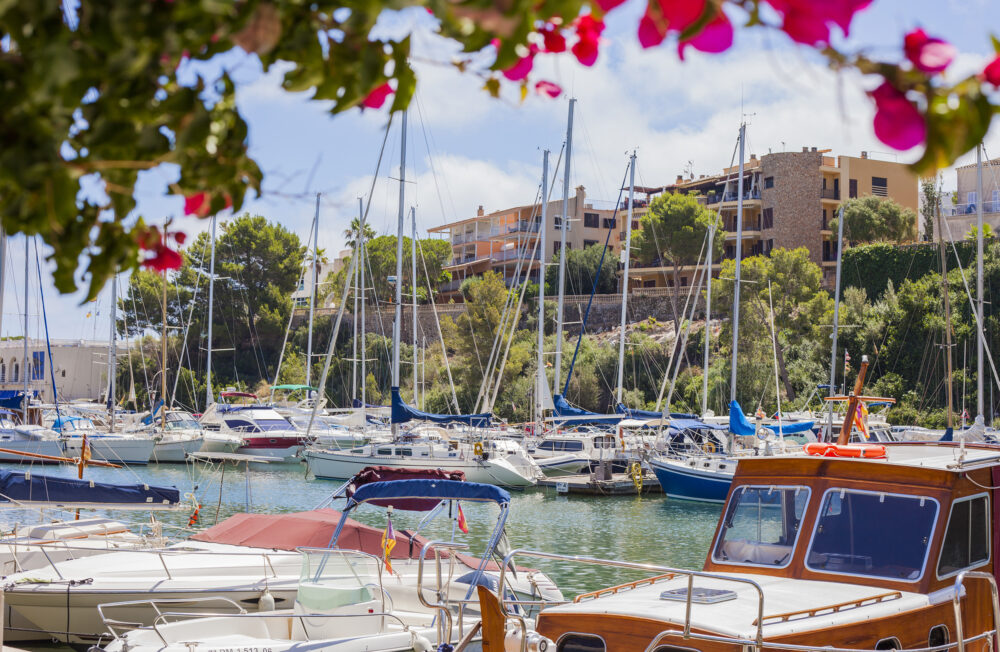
[
  {"x": 376, "y": 98},
  {"x": 681, "y": 14},
  {"x": 196, "y": 204},
  {"x": 608, "y": 5},
  {"x": 809, "y": 21},
  {"x": 806, "y": 28},
  {"x": 548, "y": 88},
  {"x": 520, "y": 70},
  {"x": 552, "y": 38},
  {"x": 164, "y": 258},
  {"x": 180, "y": 237},
  {"x": 930, "y": 55},
  {"x": 898, "y": 123},
  {"x": 841, "y": 12},
  {"x": 588, "y": 32},
  {"x": 991, "y": 73},
  {"x": 717, "y": 36},
  {"x": 650, "y": 34}
]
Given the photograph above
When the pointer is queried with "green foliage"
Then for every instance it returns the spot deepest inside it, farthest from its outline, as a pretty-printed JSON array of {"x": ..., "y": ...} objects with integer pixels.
[
  {"x": 581, "y": 267},
  {"x": 877, "y": 219},
  {"x": 930, "y": 197},
  {"x": 873, "y": 266},
  {"x": 380, "y": 264}
]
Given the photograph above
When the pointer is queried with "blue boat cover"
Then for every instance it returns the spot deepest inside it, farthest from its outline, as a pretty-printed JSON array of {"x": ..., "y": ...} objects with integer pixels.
[
  {"x": 58, "y": 424},
  {"x": 562, "y": 408},
  {"x": 740, "y": 425},
  {"x": 401, "y": 413},
  {"x": 13, "y": 399},
  {"x": 21, "y": 487},
  {"x": 693, "y": 424},
  {"x": 440, "y": 489}
]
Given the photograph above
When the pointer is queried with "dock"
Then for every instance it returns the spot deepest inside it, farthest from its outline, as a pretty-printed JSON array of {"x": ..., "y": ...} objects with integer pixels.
[{"x": 619, "y": 484}]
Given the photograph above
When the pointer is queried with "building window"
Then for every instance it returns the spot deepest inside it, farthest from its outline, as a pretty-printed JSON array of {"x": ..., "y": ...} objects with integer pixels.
[
  {"x": 768, "y": 218},
  {"x": 609, "y": 223},
  {"x": 768, "y": 182},
  {"x": 649, "y": 284},
  {"x": 37, "y": 365},
  {"x": 63, "y": 373},
  {"x": 591, "y": 220},
  {"x": 852, "y": 189},
  {"x": 684, "y": 281},
  {"x": 769, "y": 246},
  {"x": 557, "y": 221},
  {"x": 14, "y": 374},
  {"x": 555, "y": 248},
  {"x": 3, "y": 372},
  {"x": 635, "y": 225},
  {"x": 824, "y": 227},
  {"x": 588, "y": 243},
  {"x": 880, "y": 186},
  {"x": 971, "y": 198}
]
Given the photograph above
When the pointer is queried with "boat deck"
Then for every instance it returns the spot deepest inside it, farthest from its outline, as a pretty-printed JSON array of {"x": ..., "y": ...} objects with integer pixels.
[{"x": 620, "y": 484}]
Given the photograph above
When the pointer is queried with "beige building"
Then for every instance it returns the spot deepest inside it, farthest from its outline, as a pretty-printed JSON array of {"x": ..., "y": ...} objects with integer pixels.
[
  {"x": 501, "y": 239},
  {"x": 80, "y": 368},
  {"x": 961, "y": 214},
  {"x": 789, "y": 199}
]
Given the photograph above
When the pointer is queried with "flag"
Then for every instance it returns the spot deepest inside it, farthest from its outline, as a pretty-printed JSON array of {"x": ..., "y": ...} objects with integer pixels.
[
  {"x": 462, "y": 524},
  {"x": 847, "y": 360},
  {"x": 760, "y": 413},
  {"x": 388, "y": 543},
  {"x": 862, "y": 420},
  {"x": 965, "y": 414}
]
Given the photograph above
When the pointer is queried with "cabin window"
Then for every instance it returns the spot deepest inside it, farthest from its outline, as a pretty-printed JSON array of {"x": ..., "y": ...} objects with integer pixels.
[
  {"x": 241, "y": 425},
  {"x": 580, "y": 643},
  {"x": 405, "y": 452},
  {"x": 761, "y": 526},
  {"x": 938, "y": 636},
  {"x": 384, "y": 451},
  {"x": 891, "y": 643},
  {"x": 872, "y": 534},
  {"x": 967, "y": 539}
]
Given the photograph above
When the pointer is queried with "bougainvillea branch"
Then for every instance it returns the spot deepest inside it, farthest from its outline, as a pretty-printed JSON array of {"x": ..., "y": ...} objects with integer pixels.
[{"x": 94, "y": 95}]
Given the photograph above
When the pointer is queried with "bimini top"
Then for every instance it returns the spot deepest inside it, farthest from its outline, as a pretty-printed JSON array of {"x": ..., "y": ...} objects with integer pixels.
[
  {"x": 295, "y": 388},
  {"x": 20, "y": 487},
  {"x": 740, "y": 425},
  {"x": 371, "y": 474},
  {"x": 439, "y": 489},
  {"x": 237, "y": 395}
]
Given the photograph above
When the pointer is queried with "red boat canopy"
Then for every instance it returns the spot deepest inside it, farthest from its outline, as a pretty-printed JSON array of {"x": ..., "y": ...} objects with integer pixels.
[{"x": 371, "y": 474}]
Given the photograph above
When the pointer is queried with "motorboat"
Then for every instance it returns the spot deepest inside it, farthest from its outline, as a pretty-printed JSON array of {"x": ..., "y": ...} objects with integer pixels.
[
  {"x": 350, "y": 600},
  {"x": 264, "y": 432},
  {"x": 175, "y": 437},
  {"x": 879, "y": 547},
  {"x": 17, "y": 438},
  {"x": 498, "y": 462},
  {"x": 123, "y": 448},
  {"x": 250, "y": 560}
]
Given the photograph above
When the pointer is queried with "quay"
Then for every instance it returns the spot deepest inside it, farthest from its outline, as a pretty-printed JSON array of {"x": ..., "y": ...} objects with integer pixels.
[{"x": 617, "y": 484}]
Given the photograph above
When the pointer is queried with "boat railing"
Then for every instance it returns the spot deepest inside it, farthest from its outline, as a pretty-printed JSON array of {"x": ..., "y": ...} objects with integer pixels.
[
  {"x": 753, "y": 645},
  {"x": 651, "y": 568},
  {"x": 114, "y": 624},
  {"x": 442, "y": 550},
  {"x": 957, "y": 604}
]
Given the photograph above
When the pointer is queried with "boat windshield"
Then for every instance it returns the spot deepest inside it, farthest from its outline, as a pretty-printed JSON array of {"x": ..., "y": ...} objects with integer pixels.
[
  {"x": 872, "y": 534},
  {"x": 272, "y": 424},
  {"x": 334, "y": 579},
  {"x": 761, "y": 525}
]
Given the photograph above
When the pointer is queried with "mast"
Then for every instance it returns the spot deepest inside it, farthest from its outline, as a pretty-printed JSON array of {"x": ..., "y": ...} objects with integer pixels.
[
  {"x": 739, "y": 256},
  {"x": 398, "y": 321},
  {"x": 947, "y": 317},
  {"x": 312, "y": 289},
  {"x": 708, "y": 315},
  {"x": 163, "y": 353},
  {"x": 354, "y": 340},
  {"x": 413, "y": 285},
  {"x": 112, "y": 361},
  {"x": 836, "y": 317},
  {"x": 24, "y": 365},
  {"x": 979, "y": 282},
  {"x": 540, "y": 380},
  {"x": 360, "y": 249},
  {"x": 209, "y": 398},
  {"x": 3, "y": 272},
  {"x": 627, "y": 255},
  {"x": 557, "y": 366}
]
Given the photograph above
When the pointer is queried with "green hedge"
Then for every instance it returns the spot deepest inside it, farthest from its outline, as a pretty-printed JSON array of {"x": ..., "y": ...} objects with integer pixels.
[{"x": 872, "y": 266}]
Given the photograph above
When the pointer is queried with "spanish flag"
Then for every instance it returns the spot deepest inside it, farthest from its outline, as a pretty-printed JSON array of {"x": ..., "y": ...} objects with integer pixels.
[
  {"x": 462, "y": 525},
  {"x": 862, "y": 420},
  {"x": 388, "y": 543}
]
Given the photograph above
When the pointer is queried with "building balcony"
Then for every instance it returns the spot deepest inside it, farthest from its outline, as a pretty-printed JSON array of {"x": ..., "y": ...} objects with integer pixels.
[
  {"x": 830, "y": 193},
  {"x": 451, "y": 286},
  {"x": 514, "y": 254},
  {"x": 971, "y": 208},
  {"x": 465, "y": 261},
  {"x": 733, "y": 197}
]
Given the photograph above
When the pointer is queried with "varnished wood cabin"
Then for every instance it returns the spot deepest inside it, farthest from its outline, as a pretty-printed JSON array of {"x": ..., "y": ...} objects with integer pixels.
[{"x": 850, "y": 554}]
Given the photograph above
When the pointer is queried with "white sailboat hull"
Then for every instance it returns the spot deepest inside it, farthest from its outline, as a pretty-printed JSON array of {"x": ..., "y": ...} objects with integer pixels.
[
  {"x": 35, "y": 446},
  {"x": 123, "y": 450},
  {"x": 496, "y": 471},
  {"x": 175, "y": 450}
]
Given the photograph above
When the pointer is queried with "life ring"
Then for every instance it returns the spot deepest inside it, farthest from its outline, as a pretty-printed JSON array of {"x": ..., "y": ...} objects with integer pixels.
[
  {"x": 635, "y": 472},
  {"x": 708, "y": 447},
  {"x": 866, "y": 451},
  {"x": 477, "y": 448}
]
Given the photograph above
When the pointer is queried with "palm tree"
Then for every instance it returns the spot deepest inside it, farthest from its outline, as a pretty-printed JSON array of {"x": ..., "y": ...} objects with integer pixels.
[{"x": 351, "y": 233}]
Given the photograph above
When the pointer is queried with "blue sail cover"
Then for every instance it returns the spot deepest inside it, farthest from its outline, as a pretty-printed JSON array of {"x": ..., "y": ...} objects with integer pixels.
[
  {"x": 401, "y": 413},
  {"x": 440, "y": 489},
  {"x": 740, "y": 425},
  {"x": 562, "y": 408},
  {"x": 26, "y": 487},
  {"x": 13, "y": 399}
]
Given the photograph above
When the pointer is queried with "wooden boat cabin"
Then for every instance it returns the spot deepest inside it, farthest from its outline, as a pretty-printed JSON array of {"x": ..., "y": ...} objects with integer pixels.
[{"x": 817, "y": 552}]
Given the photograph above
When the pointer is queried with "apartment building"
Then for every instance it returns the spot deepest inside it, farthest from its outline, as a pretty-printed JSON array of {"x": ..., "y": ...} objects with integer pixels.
[
  {"x": 503, "y": 239},
  {"x": 789, "y": 199},
  {"x": 961, "y": 214},
  {"x": 78, "y": 368}
]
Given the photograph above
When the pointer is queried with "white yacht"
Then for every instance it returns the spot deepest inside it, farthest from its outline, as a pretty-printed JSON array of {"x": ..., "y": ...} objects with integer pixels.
[
  {"x": 175, "y": 439},
  {"x": 20, "y": 438},
  {"x": 264, "y": 432},
  {"x": 110, "y": 447}
]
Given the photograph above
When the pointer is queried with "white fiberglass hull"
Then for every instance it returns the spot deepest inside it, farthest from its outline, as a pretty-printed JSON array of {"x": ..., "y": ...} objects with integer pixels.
[
  {"x": 496, "y": 471},
  {"x": 34, "y": 446},
  {"x": 214, "y": 442},
  {"x": 119, "y": 450},
  {"x": 175, "y": 450},
  {"x": 566, "y": 464}
]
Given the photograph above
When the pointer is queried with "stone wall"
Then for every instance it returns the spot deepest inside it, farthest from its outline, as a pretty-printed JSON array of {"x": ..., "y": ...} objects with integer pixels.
[{"x": 795, "y": 201}]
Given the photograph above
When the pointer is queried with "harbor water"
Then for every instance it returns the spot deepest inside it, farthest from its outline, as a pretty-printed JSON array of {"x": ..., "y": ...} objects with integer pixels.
[{"x": 649, "y": 529}]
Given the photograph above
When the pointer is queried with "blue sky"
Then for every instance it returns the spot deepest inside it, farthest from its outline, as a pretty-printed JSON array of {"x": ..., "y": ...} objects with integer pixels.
[{"x": 467, "y": 149}]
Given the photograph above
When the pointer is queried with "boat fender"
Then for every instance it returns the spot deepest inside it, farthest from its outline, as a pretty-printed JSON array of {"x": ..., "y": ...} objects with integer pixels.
[
  {"x": 535, "y": 642},
  {"x": 477, "y": 448},
  {"x": 420, "y": 643},
  {"x": 266, "y": 602}
]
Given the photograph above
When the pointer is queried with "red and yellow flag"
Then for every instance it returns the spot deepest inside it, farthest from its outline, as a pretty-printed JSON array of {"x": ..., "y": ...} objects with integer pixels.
[
  {"x": 462, "y": 524},
  {"x": 388, "y": 543}
]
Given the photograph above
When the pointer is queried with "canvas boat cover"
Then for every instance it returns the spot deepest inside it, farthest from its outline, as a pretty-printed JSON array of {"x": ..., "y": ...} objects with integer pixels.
[
  {"x": 740, "y": 425},
  {"x": 314, "y": 529},
  {"x": 579, "y": 416},
  {"x": 371, "y": 474},
  {"x": 436, "y": 489},
  {"x": 27, "y": 487},
  {"x": 401, "y": 413}
]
